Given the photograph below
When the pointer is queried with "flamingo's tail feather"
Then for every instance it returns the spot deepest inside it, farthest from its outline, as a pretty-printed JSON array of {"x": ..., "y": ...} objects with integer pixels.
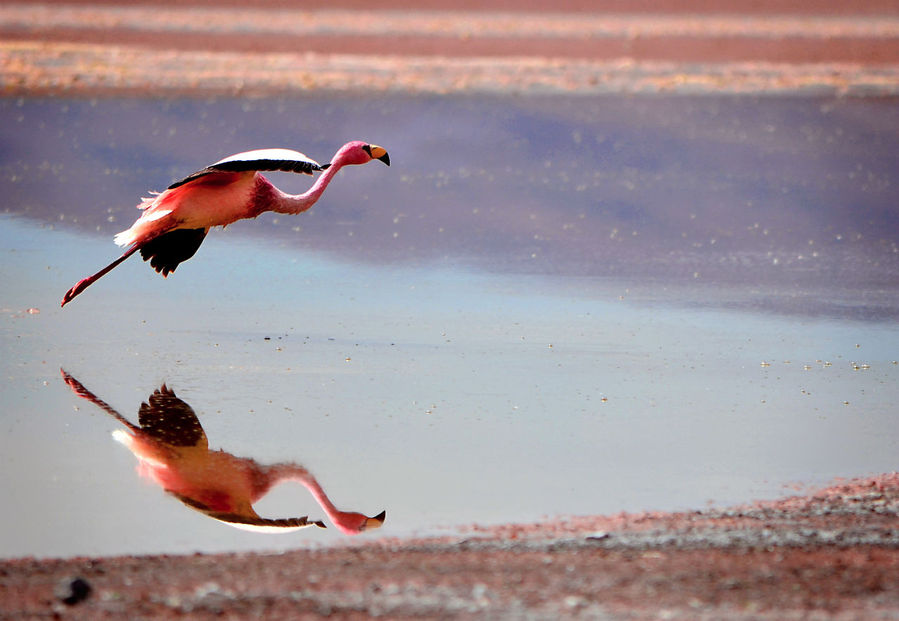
[
  {"x": 124, "y": 238},
  {"x": 144, "y": 228}
]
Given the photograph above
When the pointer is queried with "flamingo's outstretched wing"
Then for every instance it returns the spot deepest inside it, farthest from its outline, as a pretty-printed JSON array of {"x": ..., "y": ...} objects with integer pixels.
[
  {"x": 166, "y": 251},
  {"x": 170, "y": 420},
  {"x": 285, "y": 160}
]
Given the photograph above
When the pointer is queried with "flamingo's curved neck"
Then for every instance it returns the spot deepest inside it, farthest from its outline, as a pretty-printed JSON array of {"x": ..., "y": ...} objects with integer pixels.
[
  {"x": 289, "y": 472},
  {"x": 298, "y": 203}
]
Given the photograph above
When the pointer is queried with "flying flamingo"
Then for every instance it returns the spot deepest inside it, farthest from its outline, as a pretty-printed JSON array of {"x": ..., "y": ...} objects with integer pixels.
[
  {"x": 175, "y": 222},
  {"x": 173, "y": 451}
]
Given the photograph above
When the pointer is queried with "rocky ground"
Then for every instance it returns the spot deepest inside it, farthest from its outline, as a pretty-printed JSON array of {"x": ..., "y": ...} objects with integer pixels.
[{"x": 833, "y": 553}]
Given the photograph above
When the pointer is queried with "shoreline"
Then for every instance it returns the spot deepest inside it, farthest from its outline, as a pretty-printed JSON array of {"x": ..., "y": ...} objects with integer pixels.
[
  {"x": 197, "y": 49},
  {"x": 831, "y": 553},
  {"x": 73, "y": 69}
]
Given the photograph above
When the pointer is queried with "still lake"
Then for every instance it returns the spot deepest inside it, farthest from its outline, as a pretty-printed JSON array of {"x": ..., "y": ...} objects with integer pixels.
[{"x": 545, "y": 307}]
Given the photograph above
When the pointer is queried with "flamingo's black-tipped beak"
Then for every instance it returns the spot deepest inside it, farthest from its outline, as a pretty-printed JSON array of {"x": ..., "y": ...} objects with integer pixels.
[
  {"x": 378, "y": 520},
  {"x": 378, "y": 153},
  {"x": 325, "y": 166}
]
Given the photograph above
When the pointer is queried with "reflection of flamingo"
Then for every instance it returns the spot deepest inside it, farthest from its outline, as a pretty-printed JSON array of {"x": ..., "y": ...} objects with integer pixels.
[
  {"x": 174, "y": 223},
  {"x": 174, "y": 452}
]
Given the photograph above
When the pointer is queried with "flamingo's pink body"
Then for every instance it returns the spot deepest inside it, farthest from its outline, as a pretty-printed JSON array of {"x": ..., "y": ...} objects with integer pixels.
[
  {"x": 174, "y": 223},
  {"x": 218, "y": 201}
]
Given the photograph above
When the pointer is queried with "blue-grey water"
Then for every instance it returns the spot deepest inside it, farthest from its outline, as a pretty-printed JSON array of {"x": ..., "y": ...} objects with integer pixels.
[{"x": 544, "y": 307}]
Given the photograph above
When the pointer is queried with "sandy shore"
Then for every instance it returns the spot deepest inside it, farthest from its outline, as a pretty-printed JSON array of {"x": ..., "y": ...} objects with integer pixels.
[
  {"x": 276, "y": 49},
  {"x": 833, "y": 553}
]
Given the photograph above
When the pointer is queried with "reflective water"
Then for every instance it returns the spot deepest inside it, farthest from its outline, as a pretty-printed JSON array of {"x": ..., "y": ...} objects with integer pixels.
[
  {"x": 544, "y": 307},
  {"x": 174, "y": 453}
]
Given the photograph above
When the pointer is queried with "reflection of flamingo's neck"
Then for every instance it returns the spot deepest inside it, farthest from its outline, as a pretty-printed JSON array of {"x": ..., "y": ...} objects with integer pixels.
[
  {"x": 216, "y": 482},
  {"x": 347, "y": 522}
]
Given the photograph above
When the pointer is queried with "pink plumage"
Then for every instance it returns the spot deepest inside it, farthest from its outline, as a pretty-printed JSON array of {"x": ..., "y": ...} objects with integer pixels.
[{"x": 175, "y": 222}]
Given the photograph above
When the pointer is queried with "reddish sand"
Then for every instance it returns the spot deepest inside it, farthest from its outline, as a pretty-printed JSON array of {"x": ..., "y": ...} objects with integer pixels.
[
  {"x": 229, "y": 48},
  {"x": 830, "y": 554}
]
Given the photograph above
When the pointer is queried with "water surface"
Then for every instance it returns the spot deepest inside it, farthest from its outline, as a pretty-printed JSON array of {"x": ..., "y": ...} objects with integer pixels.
[{"x": 544, "y": 307}]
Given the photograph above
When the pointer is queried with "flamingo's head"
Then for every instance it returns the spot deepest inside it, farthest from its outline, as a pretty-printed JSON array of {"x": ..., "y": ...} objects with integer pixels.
[
  {"x": 358, "y": 152},
  {"x": 351, "y": 523}
]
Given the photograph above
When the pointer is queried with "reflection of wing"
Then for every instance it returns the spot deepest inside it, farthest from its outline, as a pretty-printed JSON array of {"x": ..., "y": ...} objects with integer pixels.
[
  {"x": 252, "y": 523},
  {"x": 170, "y": 420},
  {"x": 263, "y": 525},
  {"x": 285, "y": 160},
  {"x": 174, "y": 453}
]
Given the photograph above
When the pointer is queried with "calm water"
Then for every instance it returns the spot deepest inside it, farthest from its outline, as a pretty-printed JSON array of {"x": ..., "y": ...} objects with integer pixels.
[{"x": 544, "y": 307}]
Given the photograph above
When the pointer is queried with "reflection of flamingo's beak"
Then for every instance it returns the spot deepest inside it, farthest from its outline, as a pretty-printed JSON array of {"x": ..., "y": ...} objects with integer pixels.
[{"x": 374, "y": 522}]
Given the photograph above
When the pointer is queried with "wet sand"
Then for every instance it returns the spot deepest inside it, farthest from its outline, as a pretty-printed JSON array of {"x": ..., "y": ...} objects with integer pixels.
[{"x": 833, "y": 553}]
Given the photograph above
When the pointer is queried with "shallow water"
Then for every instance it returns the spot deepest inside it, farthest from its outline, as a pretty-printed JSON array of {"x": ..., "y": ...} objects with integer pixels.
[{"x": 544, "y": 307}]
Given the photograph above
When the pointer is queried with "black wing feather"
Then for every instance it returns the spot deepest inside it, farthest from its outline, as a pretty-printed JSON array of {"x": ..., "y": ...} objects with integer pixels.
[
  {"x": 169, "y": 249},
  {"x": 294, "y": 166},
  {"x": 170, "y": 420}
]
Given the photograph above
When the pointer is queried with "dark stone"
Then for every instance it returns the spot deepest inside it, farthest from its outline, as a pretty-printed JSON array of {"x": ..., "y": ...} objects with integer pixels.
[{"x": 73, "y": 591}]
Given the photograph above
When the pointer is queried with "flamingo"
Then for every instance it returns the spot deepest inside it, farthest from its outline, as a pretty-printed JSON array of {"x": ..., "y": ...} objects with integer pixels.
[
  {"x": 175, "y": 222},
  {"x": 173, "y": 451}
]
